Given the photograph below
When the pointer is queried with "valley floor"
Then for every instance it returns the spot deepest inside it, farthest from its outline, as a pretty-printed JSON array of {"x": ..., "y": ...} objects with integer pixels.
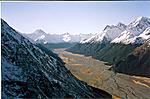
[{"x": 96, "y": 74}]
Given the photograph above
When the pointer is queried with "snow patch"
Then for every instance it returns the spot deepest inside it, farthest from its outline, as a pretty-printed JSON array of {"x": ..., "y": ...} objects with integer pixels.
[
  {"x": 40, "y": 38},
  {"x": 45, "y": 42},
  {"x": 66, "y": 37}
]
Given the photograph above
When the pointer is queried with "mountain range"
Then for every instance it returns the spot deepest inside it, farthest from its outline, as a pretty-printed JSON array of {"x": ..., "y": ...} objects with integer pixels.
[
  {"x": 136, "y": 32},
  {"x": 33, "y": 71},
  {"x": 39, "y": 36},
  {"x": 116, "y": 43},
  {"x": 127, "y": 34},
  {"x": 108, "y": 34}
]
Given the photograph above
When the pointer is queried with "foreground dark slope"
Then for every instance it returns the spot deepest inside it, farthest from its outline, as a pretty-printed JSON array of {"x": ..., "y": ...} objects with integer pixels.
[
  {"x": 137, "y": 62},
  {"x": 28, "y": 72}
]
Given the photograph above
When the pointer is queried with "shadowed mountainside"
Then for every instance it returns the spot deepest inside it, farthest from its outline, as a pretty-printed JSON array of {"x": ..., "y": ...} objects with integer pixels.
[
  {"x": 109, "y": 52},
  {"x": 137, "y": 62}
]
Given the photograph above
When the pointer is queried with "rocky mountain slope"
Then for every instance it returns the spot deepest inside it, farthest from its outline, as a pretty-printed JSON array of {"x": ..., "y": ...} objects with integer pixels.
[
  {"x": 39, "y": 36},
  {"x": 29, "y": 72}
]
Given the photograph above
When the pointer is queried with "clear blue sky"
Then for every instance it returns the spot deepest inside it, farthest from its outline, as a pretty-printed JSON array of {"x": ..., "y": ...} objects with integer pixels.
[{"x": 72, "y": 17}]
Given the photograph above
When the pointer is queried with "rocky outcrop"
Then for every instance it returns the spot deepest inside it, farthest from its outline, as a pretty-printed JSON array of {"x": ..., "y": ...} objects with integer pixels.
[{"x": 29, "y": 72}]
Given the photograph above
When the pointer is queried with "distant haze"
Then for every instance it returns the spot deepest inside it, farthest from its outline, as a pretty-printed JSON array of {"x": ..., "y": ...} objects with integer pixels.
[{"x": 72, "y": 17}]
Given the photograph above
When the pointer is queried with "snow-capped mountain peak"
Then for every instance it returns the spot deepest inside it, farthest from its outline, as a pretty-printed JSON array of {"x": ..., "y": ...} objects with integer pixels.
[
  {"x": 38, "y": 35},
  {"x": 39, "y": 31},
  {"x": 121, "y": 25},
  {"x": 107, "y": 27},
  {"x": 108, "y": 34},
  {"x": 140, "y": 21},
  {"x": 66, "y": 37},
  {"x": 134, "y": 29}
]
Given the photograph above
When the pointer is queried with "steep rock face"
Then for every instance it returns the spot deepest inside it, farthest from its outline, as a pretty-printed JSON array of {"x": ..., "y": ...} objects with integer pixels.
[
  {"x": 28, "y": 72},
  {"x": 137, "y": 62}
]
